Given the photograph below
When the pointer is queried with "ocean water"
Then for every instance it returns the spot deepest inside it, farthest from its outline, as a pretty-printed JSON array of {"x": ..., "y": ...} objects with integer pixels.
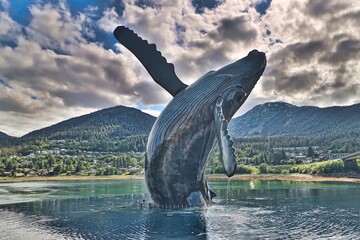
[{"x": 118, "y": 209}]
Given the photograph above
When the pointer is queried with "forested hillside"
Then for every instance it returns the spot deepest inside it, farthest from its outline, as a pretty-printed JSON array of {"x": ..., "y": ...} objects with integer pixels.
[
  {"x": 116, "y": 138},
  {"x": 4, "y": 136},
  {"x": 112, "y": 123},
  {"x": 279, "y": 118},
  {"x": 266, "y": 126}
]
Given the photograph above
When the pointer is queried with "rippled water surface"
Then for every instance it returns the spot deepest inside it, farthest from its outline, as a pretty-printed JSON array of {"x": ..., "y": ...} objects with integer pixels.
[{"x": 242, "y": 210}]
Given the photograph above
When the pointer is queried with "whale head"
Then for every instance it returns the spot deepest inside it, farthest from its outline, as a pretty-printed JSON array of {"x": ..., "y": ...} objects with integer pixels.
[{"x": 239, "y": 78}]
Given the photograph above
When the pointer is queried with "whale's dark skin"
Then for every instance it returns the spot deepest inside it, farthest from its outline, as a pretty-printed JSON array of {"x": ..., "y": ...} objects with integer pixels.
[{"x": 184, "y": 134}]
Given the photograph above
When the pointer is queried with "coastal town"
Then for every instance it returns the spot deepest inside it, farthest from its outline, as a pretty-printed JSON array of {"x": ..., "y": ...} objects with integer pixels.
[
  {"x": 56, "y": 158},
  {"x": 62, "y": 161}
]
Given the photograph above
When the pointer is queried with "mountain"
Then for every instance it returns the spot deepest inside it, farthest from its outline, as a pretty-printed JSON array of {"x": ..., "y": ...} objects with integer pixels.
[
  {"x": 268, "y": 119},
  {"x": 279, "y": 118},
  {"x": 4, "y": 136},
  {"x": 107, "y": 124}
]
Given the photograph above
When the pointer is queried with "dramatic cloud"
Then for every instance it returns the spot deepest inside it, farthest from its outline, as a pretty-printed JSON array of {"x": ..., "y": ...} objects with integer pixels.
[
  {"x": 292, "y": 83},
  {"x": 59, "y": 59},
  {"x": 54, "y": 27},
  {"x": 346, "y": 50},
  {"x": 317, "y": 8},
  {"x": 316, "y": 59}
]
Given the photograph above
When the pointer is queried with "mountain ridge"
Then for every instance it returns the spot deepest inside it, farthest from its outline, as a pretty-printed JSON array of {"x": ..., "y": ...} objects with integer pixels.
[
  {"x": 4, "y": 135},
  {"x": 114, "y": 122},
  {"x": 268, "y": 119},
  {"x": 280, "y": 118}
]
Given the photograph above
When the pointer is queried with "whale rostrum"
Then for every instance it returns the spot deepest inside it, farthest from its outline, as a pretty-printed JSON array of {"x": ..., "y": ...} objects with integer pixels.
[{"x": 186, "y": 131}]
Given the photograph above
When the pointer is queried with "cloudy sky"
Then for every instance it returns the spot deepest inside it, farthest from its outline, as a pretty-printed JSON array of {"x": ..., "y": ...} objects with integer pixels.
[{"x": 59, "y": 59}]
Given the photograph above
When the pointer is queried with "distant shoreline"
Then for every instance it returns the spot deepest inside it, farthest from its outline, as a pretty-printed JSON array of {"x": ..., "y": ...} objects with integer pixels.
[
  {"x": 264, "y": 177},
  {"x": 288, "y": 177},
  {"x": 71, "y": 178}
]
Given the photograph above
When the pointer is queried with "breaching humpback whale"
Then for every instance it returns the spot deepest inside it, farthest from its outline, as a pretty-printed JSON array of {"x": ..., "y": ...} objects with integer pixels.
[{"x": 184, "y": 134}]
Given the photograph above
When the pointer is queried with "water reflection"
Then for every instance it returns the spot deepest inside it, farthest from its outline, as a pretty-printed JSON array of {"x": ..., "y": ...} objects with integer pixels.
[
  {"x": 107, "y": 218},
  {"x": 268, "y": 210}
]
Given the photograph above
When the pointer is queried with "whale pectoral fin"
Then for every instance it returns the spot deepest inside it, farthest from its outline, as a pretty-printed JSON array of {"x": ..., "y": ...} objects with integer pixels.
[
  {"x": 227, "y": 151},
  {"x": 160, "y": 70}
]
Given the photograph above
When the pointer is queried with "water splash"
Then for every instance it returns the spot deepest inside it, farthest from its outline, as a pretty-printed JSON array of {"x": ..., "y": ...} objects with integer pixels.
[{"x": 228, "y": 189}]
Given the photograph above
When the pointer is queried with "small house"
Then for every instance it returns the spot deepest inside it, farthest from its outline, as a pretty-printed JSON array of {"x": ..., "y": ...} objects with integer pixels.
[
  {"x": 6, "y": 174},
  {"x": 134, "y": 170}
]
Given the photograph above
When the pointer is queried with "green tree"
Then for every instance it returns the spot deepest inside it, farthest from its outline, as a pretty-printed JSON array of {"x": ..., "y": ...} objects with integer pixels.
[
  {"x": 42, "y": 164},
  {"x": 109, "y": 171},
  {"x": 79, "y": 166},
  {"x": 310, "y": 152},
  {"x": 263, "y": 168},
  {"x": 51, "y": 160},
  {"x": 9, "y": 165},
  {"x": 59, "y": 168},
  {"x": 100, "y": 171},
  {"x": 70, "y": 168}
]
